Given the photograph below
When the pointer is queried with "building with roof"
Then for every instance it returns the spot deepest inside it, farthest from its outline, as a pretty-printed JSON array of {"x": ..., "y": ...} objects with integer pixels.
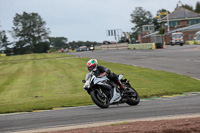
[{"x": 182, "y": 20}]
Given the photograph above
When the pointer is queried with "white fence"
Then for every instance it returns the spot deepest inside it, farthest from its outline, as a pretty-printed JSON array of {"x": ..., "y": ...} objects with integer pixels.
[
  {"x": 115, "y": 46},
  {"x": 125, "y": 46}
]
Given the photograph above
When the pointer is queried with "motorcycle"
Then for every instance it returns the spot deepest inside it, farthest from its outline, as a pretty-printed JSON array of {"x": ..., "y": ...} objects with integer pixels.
[{"x": 104, "y": 92}]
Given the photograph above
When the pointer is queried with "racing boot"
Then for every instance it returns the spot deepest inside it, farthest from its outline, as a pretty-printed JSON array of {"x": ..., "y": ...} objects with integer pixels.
[{"x": 124, "y": 88}]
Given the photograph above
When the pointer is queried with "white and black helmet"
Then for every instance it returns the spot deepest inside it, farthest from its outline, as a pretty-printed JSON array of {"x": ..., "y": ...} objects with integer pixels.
[{"x": 92, "y": 64}]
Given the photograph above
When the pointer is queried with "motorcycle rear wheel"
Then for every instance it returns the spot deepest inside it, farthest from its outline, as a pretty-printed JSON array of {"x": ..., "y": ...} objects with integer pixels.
[{"x": 102, "y": 102}]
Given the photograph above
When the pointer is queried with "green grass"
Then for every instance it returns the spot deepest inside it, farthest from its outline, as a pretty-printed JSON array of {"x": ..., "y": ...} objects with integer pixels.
[
  {"x": 33, "y": 57},
  {"x": 36, "y": 83}
]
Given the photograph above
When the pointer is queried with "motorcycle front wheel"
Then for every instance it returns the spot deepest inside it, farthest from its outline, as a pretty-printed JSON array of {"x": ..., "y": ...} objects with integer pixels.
[{"x": 101, "y": 101}]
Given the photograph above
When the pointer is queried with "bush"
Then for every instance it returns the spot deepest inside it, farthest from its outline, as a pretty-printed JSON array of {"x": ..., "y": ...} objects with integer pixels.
[{"x": 161, "y": 31}]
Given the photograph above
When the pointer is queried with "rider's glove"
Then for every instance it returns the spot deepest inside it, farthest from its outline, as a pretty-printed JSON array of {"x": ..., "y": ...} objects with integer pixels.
[{"x": 102, "y": 74}]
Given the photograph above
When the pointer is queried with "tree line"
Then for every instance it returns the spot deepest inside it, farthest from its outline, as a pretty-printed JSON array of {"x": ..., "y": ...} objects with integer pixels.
[{"x": 32, "y": 36}]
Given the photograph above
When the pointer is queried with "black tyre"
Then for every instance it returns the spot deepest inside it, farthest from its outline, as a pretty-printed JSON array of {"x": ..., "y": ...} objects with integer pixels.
[
  {"x": 133, "y": 98},
  {"x": 101, "y": 101}
]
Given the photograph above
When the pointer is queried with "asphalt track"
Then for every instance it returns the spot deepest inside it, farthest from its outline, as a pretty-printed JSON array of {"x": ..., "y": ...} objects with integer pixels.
[
  {"x": 177, "y": 59},
  {"x": 182, "y": 60},
  {"x": 35, "y": 121}
]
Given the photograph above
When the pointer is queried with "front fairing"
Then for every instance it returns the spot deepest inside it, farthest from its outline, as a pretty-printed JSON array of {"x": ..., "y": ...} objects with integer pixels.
[
  {"x": 100, "y": 80},
  {"x": 89, "y": 78},
  {"x": 120, "y": 77}
]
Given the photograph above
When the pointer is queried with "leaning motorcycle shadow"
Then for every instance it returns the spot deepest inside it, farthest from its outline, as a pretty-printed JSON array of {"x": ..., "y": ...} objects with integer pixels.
[{"x": 115, "y": 106}]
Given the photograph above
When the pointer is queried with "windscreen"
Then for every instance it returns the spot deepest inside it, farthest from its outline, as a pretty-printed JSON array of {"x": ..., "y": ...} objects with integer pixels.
[
  {"x": 88, "y": 76},
  {"x": 177, "y": 36}
]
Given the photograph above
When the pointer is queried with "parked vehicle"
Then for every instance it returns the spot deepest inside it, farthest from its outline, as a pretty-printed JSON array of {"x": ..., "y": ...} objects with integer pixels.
[
  {"x": 104, "y": 92},
  {"x": 177, "y": 39},
  {"x": 106, "y": 42},
  {"x": 197, "y": 36},
  {"x": 82, "y": 48},
  {"x": 91, "y": 48}
]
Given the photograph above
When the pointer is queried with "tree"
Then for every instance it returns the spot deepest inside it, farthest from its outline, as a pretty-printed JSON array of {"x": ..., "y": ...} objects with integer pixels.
[
  {"x": 186, "y": 6},
  {"x": 1, "y": 37},
  {"x": 155, "y": 20},
  {"x": 30, "y": 30},
  {"x": 58, "y": 42},
  {"x": 140, "y": 17},
  {"x": 73, "y": 45},
  {"x": 41, "y": 47},
  {"x": 197, "y": 9},
  {"x": 4, "y": 44}
]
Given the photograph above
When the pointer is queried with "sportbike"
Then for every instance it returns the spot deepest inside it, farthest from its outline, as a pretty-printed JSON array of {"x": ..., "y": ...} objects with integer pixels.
[{"x": 105, "y": 92}]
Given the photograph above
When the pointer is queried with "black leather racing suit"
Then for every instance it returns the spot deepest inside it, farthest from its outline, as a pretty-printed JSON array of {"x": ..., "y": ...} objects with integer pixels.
[{"x": 112, "y": 76}]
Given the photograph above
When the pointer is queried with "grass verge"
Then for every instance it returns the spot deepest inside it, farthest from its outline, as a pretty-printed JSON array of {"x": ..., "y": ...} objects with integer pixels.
[{"x": 33, "y": 57}]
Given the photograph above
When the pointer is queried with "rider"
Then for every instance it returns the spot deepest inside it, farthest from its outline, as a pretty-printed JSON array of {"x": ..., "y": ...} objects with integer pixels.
[{"x": 92, "y": 65}]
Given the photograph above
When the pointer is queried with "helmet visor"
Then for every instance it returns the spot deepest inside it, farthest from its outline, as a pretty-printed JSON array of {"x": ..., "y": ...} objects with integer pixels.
[{"x": 91, "y": 68}]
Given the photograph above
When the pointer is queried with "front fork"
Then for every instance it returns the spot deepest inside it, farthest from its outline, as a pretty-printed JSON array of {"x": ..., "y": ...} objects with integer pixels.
[{"x": 99, "y": 91}]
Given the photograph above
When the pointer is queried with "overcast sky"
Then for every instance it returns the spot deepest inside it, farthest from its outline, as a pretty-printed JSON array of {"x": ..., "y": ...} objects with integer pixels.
[{"x": 83, "y": 20}]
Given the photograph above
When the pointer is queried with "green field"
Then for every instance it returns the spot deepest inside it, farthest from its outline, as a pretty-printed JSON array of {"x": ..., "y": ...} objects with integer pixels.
[
  {"x": 46, "y": 81},
  {"x": 33, "y": 57}
]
